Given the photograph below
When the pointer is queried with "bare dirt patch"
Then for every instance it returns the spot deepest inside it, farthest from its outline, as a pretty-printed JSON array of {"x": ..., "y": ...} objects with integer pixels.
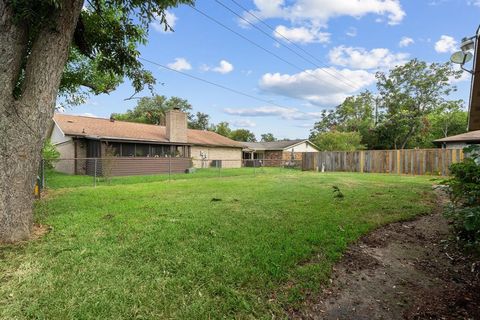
[
  {"x": 406, "y": 270},
  {"x": 39, "y": 230}
]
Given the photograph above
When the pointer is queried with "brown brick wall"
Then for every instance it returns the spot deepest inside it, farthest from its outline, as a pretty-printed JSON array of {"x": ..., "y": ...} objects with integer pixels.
[
  {"x": 296, "y": 156},
  {"x": 273, "y": 158}
]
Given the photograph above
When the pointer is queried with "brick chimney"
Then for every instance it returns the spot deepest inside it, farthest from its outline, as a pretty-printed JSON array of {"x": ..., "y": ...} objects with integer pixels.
[{"x": 176, "y": 125}]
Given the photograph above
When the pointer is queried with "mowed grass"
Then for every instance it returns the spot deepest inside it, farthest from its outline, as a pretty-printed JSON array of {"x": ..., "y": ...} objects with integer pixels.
[
  {"x": 235, "y": 247},
  {"x": 56, "y": 180}
]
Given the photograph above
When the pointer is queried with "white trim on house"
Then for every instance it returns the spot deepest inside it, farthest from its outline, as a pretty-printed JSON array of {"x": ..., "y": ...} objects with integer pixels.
[
  {"x": 307, "y": 142},
  {"x": 57, "y": 136}
]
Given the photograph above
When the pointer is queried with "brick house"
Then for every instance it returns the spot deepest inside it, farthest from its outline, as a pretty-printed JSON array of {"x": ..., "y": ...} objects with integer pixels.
[
  {"x": 135, "y": 148},
  {"x": 276, "y": 152}
]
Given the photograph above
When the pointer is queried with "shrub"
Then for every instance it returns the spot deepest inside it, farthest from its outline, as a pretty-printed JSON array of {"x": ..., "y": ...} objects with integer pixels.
[
  {"x": 338, "y": 141},
  {"x": 464, "y": 192},
  {"x": 50, "y": 154}
]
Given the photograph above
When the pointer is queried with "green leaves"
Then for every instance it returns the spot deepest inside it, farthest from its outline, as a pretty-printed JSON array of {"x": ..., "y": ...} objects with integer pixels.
[
  {"x": 50, "y": 154},
  {"x": 464, "y": 191},
  {"x": 401, "y": 114},
  {"x": 268, "y": 137},
  {"x": 104, "y": 50},
  {"x": 243, "y": 135},
  {"x": 152, "y": 110},
  {"x": 338, "y": 141}
]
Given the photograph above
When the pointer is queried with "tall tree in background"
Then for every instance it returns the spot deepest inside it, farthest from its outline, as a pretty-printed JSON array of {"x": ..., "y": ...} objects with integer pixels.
[
  {"x": 450, "y": 120},
  {"x": 59, "y": 47},
  {"x": 153, "y": 110},
  {"x": 409, "y": 94},
  {"x": 409, "y": 110},
  {"x": 327, "y": 122},
  {"x": 199, "y": 121},
  {"x": 243, "y": 135},
  {"x": 222, "y": 128},
  {"x": 338, "y": 141},
  {"x": 268, "y": 137}
]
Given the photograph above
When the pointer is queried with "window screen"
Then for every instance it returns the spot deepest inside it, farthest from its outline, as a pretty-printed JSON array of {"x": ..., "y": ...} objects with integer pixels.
[
  {"x": 142, "y": 150},
  {"x": 128, "y": 150}
]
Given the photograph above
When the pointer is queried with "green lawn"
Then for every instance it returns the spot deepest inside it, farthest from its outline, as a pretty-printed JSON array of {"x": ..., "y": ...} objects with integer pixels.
[
  {"x": 233, "y": 247},
  {"x": 56, "y": 180}
]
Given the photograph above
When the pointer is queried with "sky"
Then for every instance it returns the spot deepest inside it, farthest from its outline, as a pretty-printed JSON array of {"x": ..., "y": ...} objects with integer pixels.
[{"x": 311, "y": 55}]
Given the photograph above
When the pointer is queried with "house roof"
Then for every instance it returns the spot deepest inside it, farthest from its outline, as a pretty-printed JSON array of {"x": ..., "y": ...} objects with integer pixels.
[
  {"x": 101, "y": 128},
  {"x": 472, "y": 136},
  {"x": 274, "y": 145}
]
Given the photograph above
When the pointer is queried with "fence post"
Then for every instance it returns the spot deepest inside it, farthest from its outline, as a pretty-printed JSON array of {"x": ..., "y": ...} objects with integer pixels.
[
  {"x": 398, "y": 162},
  {"x": 254, "y": 165},
  {"x": 362, "y": 160},
  {"x": 169, "y": 168},
  {"x": 95, "y": 174},
  {"x": 43, "y": 173}
]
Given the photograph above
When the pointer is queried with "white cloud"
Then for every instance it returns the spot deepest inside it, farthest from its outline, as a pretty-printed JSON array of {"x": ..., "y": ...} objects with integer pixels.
[
  {"x": 302, "y": 34},
  {"x": 223, "y": 67},
  {"x": 305, "y": 125},
  {"x": 446, "y": 44},
  {"x": 180, "y": 64},
  {"x": 317, "y": 86},
  {"x": 273, "y": 111},
  {"x": 474, "y": 3},
  {"x": 351, "y": 32},
  {"x": 360, "y": 58},
  {"x": 171, "y": 20},
  {"x": 405, "y": 42},
  {"x": 244, "y": 123},
  {"x": 318, "y": 12}
]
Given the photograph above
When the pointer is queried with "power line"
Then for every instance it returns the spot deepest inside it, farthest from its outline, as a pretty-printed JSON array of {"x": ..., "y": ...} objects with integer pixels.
[
  {"x": 288, "y": 40},
  {"x": 344, "y": 80},
  {"x": 213, "y": 83},
  {"x": 259, "y": 46}
]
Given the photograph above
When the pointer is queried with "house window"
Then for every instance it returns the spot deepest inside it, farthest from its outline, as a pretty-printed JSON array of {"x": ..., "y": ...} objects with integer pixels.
[
  {"x": 142, "y": 150},
  {"x": 258, "y": 156},
  {"x": 160, "y": 151},
  {"x": 113, "y": 149},
  {"x": 93, "y": 149},
  {"x": 146, "y": 150},
  {"x": 128, "y": 150}
]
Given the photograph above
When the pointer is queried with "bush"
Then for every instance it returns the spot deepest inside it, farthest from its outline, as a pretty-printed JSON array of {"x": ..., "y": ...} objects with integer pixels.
[
  {"x": 464, "y": 192},
  {"x": 49, "y": 154},
  {"x": 338, "y": 141}
]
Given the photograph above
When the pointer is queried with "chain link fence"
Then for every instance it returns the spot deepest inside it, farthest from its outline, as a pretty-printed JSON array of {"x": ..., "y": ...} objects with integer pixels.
[{"x": 92, "y": 172}]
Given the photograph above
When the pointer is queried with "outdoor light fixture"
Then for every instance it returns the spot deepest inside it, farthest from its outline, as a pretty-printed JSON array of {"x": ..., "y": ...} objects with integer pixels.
[
  {"x": 470, "y": 49},
  {"x": 467, "y": 44},
  {"x": 465, "y": 55}
]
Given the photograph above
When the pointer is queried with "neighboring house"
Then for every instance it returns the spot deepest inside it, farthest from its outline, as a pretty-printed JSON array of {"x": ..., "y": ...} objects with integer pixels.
[
  {"x": 277, "y": 151},
  {"x": 129, "y": 148},
  {"x": 460, "y": 140}
]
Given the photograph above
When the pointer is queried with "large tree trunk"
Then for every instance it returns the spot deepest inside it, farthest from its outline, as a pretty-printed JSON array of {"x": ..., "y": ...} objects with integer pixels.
[{"x": 24, "y": 120}]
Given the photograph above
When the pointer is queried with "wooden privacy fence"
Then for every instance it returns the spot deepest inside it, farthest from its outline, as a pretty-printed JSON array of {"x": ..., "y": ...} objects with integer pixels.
[{"x": 409, "y": 161}]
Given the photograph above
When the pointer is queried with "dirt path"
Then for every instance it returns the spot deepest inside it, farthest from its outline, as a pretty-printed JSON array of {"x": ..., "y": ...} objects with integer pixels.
[{"x": 402, "y": 271}]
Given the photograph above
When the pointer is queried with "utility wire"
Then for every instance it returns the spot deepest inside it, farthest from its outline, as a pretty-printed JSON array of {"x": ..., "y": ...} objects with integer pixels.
[
  {"x": 340, "y": 77},
  {"x": 213, "y": 83},
  {"x": 261, "y": 47}
]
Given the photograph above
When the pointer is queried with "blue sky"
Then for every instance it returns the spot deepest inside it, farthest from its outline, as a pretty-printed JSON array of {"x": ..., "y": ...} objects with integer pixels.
[{"x": 347, "y": 41}]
